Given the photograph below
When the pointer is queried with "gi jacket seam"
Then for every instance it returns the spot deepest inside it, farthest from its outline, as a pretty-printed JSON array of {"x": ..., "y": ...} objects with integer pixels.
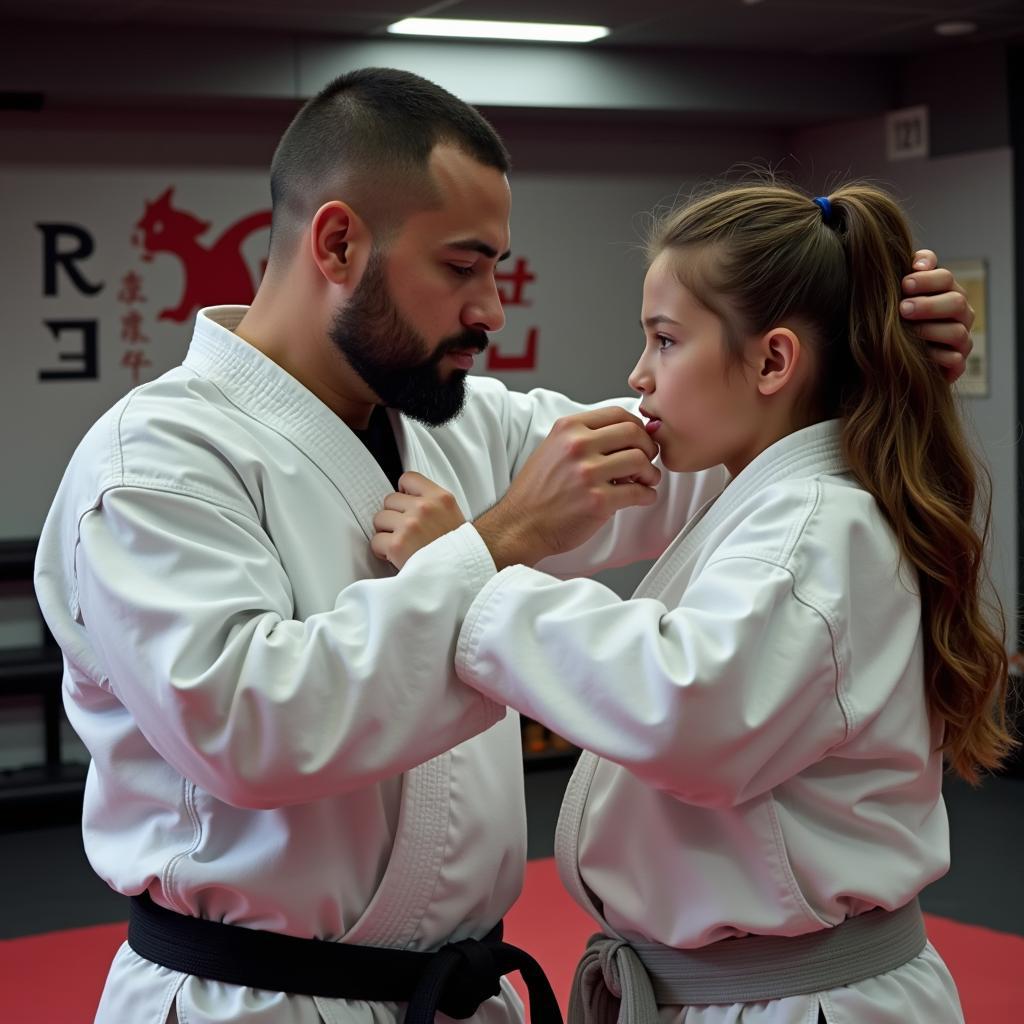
[
  {"x": 110, "y": 481},
  {"x": 168, "y": 876},
  {"x": 116, "y": 440},
  {"x": 811, "y": 606},
  {"x": 475, "y": 622},
  {"x": 787, "y": 551},
  {"x": 800, "y": 599},
  {"x": 811, "y": 501},
  {"x": 831, "y": 621},
  {"x": 155, "y": 484},
  {"x": 127, "y": 478},
  {"x": 813, "y": 505}
]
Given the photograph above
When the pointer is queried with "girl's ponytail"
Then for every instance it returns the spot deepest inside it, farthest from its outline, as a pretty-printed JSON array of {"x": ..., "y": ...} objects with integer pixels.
[{"x": 903, "y": 440}]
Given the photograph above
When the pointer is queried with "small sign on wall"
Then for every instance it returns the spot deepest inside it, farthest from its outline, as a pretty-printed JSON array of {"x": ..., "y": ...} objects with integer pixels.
[
  {"x": 906, "y": 133},
  {"x": 972, "y": 275}
]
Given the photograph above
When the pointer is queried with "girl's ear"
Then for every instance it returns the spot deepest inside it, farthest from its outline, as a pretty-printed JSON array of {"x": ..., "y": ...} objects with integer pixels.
[
  {"x": 339, "y": 243},
  {"x": 776, "y": 357}
]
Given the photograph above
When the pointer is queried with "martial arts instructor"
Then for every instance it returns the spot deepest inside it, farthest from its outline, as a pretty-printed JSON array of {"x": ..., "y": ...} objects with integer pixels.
[{"x": 299, "y": 795}]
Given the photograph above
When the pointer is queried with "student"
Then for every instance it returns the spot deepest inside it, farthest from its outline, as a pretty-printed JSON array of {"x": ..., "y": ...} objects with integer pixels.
[{"x": 766, "y": 718}]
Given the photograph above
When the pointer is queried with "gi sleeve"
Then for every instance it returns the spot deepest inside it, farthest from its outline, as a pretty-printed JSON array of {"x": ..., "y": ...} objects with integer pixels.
[
  {"x": 715, "y": 701},
  {"x": 631, "y": 535},
  {"x": 191, "y": 613}
]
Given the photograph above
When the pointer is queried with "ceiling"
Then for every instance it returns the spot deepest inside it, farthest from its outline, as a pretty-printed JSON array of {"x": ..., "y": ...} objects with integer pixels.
[{"x": 818, "y": 27}]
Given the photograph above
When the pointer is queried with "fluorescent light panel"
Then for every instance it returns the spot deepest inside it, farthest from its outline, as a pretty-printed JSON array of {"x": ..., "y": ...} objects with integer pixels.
[{"x": 524, "y": 30}]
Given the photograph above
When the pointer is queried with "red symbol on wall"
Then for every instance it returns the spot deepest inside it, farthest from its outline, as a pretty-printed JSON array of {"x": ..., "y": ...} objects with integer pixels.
[
  {"x": 511, "y": 290},
  {"x": 519, "y": 277},
  {"x": 527, "y": 361},
  {"x": 135, "y": 359},
  {"x": 131, "y": 289},
  {"x": 215, "y": 274},
  {"x": 131, "y": 328}
]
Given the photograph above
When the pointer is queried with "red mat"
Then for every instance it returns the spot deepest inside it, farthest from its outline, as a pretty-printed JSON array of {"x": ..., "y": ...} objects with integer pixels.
[{"x": 56, "y": 978}]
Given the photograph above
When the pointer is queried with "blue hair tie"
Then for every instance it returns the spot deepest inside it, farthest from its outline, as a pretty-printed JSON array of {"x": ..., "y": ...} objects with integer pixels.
[{"x": 825, "y": 205}]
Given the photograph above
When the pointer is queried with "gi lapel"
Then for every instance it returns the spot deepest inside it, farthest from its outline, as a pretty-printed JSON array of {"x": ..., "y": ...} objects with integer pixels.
[
  {"x": 261, "y": 388},
  {"x": 815, "y": 449}
]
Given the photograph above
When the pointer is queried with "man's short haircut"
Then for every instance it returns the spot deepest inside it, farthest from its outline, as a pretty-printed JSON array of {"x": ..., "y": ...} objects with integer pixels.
[{"x": 366, "y": 138}]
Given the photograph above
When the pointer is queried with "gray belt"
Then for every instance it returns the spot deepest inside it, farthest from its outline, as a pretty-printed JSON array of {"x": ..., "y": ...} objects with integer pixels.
[{"x": 619, "y": 981}]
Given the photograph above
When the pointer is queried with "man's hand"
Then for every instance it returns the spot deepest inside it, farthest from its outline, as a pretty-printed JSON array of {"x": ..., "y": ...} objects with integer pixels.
[
  {"x": 417, "y": 513},
  {"x": 589, "y": 467},
  {"x": 941, "y": 313}
]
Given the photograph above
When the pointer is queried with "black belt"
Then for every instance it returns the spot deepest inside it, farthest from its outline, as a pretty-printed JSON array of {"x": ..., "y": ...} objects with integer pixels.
[{"x": 455, "y": 979}]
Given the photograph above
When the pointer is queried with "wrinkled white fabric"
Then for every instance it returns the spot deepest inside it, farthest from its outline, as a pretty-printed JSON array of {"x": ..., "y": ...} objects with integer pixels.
[
  {"x": 278, "y": 736},
  {"x": 763, "y": 760}
]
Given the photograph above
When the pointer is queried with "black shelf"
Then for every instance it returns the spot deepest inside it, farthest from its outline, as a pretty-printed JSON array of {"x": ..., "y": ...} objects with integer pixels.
[
  {"x": 30, "y": 670},
  {"x": 50, "y": 792},
  {"x": 43, "y": 795},
  {"x": 16, "y": 560}
]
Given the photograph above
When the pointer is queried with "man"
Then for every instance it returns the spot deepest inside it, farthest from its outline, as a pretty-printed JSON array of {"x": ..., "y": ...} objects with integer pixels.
[{"x": 272, "y": 756}]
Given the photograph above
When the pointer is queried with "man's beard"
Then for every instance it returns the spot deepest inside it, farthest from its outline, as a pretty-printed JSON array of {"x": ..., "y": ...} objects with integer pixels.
[{"x": 388, "y": 354}]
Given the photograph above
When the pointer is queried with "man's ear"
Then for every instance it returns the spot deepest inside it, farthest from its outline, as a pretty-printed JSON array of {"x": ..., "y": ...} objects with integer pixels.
[
  {"x": 777, "y": 355},
  {"x": 340, "y": 242}
]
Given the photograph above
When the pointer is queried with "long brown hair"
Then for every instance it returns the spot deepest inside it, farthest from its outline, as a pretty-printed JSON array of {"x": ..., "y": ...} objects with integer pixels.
[{"x": 762, "y": 254}]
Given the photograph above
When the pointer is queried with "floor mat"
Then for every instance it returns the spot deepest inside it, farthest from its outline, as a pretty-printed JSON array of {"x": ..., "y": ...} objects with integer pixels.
[{"x": 56, "y": 978}]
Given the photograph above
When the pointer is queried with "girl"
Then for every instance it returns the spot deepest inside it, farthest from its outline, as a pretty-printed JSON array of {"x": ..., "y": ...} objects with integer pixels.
[{"x": 767, "y": 716}]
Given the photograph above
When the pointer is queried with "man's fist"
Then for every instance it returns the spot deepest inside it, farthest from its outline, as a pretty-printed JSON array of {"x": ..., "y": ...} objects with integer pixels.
[
  {"x": 417, "y": 513},
  {"x": 589, "y": 467}
]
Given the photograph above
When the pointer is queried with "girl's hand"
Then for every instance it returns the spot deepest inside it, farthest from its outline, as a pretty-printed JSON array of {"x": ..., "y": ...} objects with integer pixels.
[
  {"x": 417, "y": 513},
  {"x": 940, "y": 311}
]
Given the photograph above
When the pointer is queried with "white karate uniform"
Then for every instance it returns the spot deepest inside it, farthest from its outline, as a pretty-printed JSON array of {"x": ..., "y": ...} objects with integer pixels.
[
  {"x": 763, "y": 760},
  {"x": 278, "y": 737}
]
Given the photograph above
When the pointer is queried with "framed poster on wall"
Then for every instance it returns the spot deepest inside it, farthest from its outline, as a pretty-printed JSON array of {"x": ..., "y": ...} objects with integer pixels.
[{"x": 972, "y": 275}]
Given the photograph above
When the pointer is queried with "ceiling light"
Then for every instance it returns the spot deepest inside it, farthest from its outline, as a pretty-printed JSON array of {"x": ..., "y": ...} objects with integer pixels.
[
  {"x": 526, "y": 30},
  {"x": 956, "y": 28}
]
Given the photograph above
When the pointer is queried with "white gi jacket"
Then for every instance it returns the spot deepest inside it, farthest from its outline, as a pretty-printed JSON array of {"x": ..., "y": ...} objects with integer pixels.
[
  {"x": 762, "y": 755},
  {"x": 278, "y": 736}
]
